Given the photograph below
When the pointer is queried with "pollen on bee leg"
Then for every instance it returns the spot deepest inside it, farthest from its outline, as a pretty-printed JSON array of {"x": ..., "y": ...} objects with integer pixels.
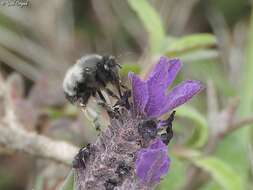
[
  {"x": 82, "y": 107},
  {"x": 93, "y": 117},
  {"x": 111, "y": 93},
  {"x": 113, "y": 113}
]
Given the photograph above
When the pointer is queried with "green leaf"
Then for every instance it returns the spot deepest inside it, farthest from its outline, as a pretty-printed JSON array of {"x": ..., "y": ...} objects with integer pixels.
[
  {"x": 198, "y": 55},
  {"x": 126, "y": 68},
  {"x": 68, "y": 183},
  {"x": 189, "y": 43},
  {"x": 200, "y": 133},
  {"x": 152, "y": 23},
  {"x": 221, "y": 172},
  {"x": 211, "y": 185},
  {"x": 234, "y": 154}
]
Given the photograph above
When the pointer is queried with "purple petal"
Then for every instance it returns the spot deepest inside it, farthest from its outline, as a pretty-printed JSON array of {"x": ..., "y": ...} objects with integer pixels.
[
  {"x": 174, "y": 67},
  {"x": 149, "y": 96},
  {"x": 140, "y": 93},
  {"x": 181, "y": 94},
  {"x": 161, "y": 77},
  {"x": 152, "y": 162}
]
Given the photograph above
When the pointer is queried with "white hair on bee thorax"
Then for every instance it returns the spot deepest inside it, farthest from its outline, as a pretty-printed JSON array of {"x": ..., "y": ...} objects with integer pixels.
[{"x": 74, "y": 74}]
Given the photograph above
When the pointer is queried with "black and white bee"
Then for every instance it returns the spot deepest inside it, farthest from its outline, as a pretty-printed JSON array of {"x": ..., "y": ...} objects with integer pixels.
[
  {"x": 81, "y": 157},
  {"x": 148, "y": 129},
  {"x": 167, "y": 136},
  {"x": 88, "y": 76}
]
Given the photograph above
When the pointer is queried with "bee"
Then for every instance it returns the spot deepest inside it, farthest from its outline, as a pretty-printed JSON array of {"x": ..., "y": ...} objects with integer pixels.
[
  {"x": 148, "y": 129},
  {"x": 167, "y": 136},
  {"x": 123, "y": 169},
  {"x": 110, "y": 184},
  {"x": 88, "y": 76},
  {"x": 81, "y": 157}
]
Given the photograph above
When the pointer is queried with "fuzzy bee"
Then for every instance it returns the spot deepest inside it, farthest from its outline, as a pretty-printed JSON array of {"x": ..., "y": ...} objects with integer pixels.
[
  {"x": 81, "y": 157},
  {"x": 88, "y": 76},
  {"x": 148, "y": 129}
]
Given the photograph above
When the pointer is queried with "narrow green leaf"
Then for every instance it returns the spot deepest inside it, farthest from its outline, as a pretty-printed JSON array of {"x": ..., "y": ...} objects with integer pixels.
[
  {"x": 221, "y": 172},
  {"x": 151, "y": 21},
  {"x": 211, "y": 185},
  {"x": 68, "y": 183},
  {"x": 190, "y": 42},
  {"x": 199, "y": 55},
  {"x": 234, "y": 154},
  {"x": 200, "y": 134}
]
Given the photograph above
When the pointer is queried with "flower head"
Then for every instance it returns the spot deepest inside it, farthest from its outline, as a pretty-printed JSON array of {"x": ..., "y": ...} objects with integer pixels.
[
  {"x": 151, "y": 100},
  {"x": 133, "y": 146},
  {"x": 149, "y": 96}
]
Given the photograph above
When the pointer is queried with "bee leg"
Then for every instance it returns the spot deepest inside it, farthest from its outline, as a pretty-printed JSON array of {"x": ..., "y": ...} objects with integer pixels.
[
  {"x": 124, "y": 100},
  {"x": 97, "y": 124},
  {"x": 111, "y": 93},
  {"x": 111, "y": 112},
  {"x": 101, "y": 96},
  {"x": 123, "y": 86},
  {"x": 118, "y": 83},
  {"x": 93, "y": 117}
]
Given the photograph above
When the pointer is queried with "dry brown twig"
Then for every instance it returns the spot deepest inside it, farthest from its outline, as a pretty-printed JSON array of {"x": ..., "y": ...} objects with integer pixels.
[
  {"x": 14, "y": 137},
  {"x": 17, "y": 139}
]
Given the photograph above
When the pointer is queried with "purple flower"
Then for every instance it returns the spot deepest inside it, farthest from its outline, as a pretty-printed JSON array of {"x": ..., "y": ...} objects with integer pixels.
[
  {"x": 152, "y": 162},
  {"x": 131, "y": 153},
  {"x": 149, "y": 96},
  {"x": 150, "y": 100}
]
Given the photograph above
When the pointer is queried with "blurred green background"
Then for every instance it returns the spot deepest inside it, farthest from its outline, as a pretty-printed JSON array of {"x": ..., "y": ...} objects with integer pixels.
[{"x": 212, "y": 148}]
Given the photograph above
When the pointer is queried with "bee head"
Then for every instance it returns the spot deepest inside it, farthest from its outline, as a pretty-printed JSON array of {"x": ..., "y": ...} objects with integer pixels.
[{"x": 109, "y": 62}]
